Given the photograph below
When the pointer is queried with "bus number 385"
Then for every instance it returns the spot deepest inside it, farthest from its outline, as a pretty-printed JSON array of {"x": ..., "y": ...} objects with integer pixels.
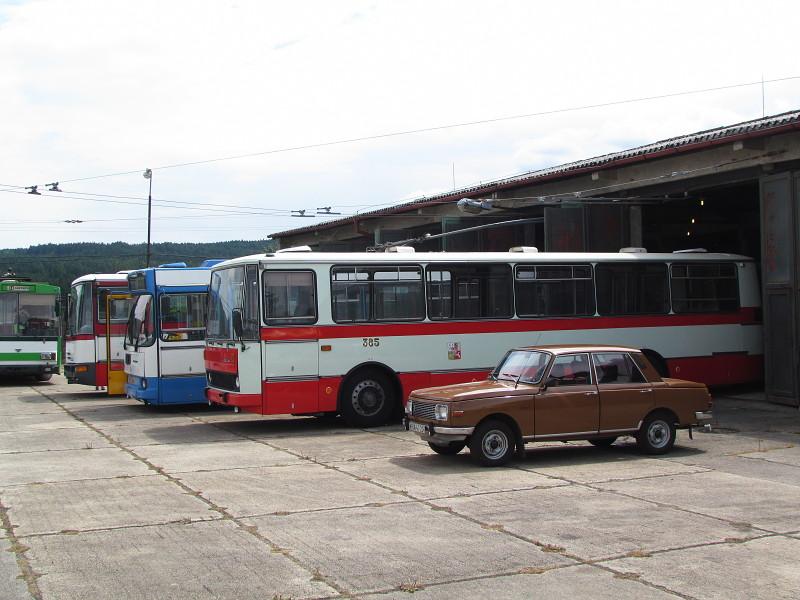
[{"x": 370, "y": 342}]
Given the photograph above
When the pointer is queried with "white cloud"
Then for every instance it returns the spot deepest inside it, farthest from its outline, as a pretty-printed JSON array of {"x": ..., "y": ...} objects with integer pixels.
[{"x": 92, "y": 87}]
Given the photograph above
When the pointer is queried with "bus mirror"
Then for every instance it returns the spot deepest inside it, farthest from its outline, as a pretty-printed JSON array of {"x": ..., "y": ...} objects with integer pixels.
[{"x": 238, "y": 326}]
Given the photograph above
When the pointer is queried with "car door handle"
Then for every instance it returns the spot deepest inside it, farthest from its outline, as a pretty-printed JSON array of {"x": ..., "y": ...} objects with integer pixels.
[
  {"x": 645, "y": 391},
  {"x": 591, "y": 393}
]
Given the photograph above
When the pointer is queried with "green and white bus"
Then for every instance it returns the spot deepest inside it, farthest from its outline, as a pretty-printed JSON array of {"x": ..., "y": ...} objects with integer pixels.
[{"x": 29, "y": 328}]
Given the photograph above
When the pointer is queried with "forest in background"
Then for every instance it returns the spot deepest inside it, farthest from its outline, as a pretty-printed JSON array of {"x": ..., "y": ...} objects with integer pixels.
[{"x": 60, "y": 264}]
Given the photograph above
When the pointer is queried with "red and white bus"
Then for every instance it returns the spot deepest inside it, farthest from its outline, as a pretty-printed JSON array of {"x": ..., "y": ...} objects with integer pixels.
[
  {"x": 299, "y": 332},
  {"x": 85, "y": 352}
]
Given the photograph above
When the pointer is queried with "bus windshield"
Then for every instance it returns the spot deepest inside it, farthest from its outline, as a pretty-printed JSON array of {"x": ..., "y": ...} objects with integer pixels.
[
  {"x": 141, "y": 328},
  {"x": 182, "y": 317},
  {"x": 524, "y": 366},
  {"x": 80, "y": 309},
  {"x": 224, "y": 295},
  {"x": 28, "y": 315}
]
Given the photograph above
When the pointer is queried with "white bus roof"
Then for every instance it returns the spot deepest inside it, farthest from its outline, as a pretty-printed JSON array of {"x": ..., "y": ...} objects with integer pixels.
[
  {"x": 296, "y": 258},
  {"x": 102, "y": 277}
]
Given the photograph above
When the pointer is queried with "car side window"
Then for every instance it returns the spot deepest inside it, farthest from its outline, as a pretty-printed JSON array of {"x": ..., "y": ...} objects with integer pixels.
[
  {"x": 570, "y": 369},
  {"x": 616, "y": 367}
]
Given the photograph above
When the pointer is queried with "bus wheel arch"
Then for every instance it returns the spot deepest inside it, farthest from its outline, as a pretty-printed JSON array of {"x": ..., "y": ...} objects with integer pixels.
[
  {"x": 659, "y": 362},
  {"x": 370, "y": 395}
]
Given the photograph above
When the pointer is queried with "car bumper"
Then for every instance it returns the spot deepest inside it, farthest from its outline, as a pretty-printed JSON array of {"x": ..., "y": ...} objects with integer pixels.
[
  {"x": 703, "y": 417},
  {"x": 438, "y": 434}
]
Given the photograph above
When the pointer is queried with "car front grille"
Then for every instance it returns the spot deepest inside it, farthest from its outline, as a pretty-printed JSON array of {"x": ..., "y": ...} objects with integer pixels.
[{"x": 423, "y": 410}]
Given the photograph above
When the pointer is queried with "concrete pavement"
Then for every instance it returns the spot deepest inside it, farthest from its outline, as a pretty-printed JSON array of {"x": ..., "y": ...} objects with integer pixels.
[{"x": 106, "y": 498}]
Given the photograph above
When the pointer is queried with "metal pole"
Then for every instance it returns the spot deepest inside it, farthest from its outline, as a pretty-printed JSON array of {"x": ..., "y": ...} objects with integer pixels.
[{"x": 149, "y": 211}]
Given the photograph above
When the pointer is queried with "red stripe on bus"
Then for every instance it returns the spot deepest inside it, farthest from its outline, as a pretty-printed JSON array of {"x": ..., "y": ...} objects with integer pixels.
[
  {"x": 225, "y": 360},
  {"x": 247, "y": 402},
  {"x": 744, "y": 316},
  {"x": 718, "y": 369},
  {"x": 79, "y": 337}
]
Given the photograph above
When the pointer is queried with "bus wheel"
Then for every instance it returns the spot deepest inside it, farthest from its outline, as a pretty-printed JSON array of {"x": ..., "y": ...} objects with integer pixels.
[
  {"x": 368, "y": 399},
  {"x": 44, "y": 377}
]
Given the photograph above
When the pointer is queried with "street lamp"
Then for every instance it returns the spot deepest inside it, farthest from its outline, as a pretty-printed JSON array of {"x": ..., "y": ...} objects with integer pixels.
[{"x": 148, "y": 174}]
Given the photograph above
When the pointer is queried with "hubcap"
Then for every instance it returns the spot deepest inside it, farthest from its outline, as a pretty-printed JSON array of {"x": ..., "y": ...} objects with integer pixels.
[
  {"x": 495, "y": 444},
  {"x": 368, "y": 398},
  {"x": 658, "y": 434}
]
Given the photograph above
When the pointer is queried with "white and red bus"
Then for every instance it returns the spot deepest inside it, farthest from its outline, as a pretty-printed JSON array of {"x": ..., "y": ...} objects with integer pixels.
[
  {"x": 85, "y": 351},
  {"x": 298, "y": 332}
]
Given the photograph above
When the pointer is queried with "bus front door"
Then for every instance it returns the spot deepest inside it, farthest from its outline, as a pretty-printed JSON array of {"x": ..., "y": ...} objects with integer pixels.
[{"x": 115, "y": 355}]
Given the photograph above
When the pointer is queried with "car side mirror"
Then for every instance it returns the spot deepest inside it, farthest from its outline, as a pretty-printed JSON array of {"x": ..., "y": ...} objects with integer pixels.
[{"x": 238, "y": 325}]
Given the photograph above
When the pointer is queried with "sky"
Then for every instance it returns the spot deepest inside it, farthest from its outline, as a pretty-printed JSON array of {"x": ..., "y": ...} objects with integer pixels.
[{"x": 90, "y": 88}]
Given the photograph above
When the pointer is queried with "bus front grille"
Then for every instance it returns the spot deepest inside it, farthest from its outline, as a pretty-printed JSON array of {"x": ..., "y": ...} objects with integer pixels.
[
  {"x": 423, "y": 410},
  {"x": 223, "y": 381}
]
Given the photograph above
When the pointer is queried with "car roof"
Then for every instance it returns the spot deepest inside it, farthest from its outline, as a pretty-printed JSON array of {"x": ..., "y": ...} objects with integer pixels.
[{"x": 572, "y": 348}]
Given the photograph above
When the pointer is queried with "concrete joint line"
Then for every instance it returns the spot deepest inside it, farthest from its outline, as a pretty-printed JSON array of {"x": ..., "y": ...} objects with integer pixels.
[
  {"x": 252, "y": 530},
  {"x": 27, "y": 574}
]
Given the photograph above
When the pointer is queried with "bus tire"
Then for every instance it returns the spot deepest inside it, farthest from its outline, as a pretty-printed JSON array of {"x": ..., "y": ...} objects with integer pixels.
[
  {"x": 368, "y": 399},
  {"x": 449, "y": 449},
  {"x": 44, "y": 377}
]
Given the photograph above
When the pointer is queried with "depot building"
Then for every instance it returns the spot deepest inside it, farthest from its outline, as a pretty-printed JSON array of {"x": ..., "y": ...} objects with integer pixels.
[{"x": 732, "y": 189}]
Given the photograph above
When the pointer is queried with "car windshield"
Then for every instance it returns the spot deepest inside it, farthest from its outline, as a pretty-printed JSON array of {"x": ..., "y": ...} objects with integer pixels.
[{"x": 525, "y": 366}]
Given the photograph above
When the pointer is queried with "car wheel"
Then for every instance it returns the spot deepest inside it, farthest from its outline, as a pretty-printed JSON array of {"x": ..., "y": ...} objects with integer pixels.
[
  {"x": 44, "y": 377},
  {"x": 368, "y": 399},
  {"x": 657, "y": 434},
  {"x": 492, "y": 444},
  {"x": 603, "y": 442},
  {"x": 449, "y": 449}
]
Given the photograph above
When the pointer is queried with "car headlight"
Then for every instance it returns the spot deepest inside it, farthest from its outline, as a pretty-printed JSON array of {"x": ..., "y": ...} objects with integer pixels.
[
  {"x": 409, "y": 406},
  {"x": 441, "y": 412}
]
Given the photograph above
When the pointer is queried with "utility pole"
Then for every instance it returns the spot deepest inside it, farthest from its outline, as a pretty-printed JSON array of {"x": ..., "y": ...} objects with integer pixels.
[{"x": 148, "y": 174}]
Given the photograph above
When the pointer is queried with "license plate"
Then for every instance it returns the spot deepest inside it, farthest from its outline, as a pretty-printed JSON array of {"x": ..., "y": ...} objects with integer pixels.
[{"x": 416, "y": 427}]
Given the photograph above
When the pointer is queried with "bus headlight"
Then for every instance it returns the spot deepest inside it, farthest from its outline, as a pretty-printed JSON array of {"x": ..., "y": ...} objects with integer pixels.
[
  {"x": 441, "y": 412},
  {"x": 410, "y": 407},
  {"x": 237, "y": 382},
  {"x": 144, "y": 383},
  {"x": 47, "y": 356}
]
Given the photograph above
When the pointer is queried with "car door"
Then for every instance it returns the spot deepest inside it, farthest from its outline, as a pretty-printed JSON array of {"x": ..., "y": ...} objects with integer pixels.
[
  {"x": 568, "y": 405},
  {"x": 625, "y": 395}
]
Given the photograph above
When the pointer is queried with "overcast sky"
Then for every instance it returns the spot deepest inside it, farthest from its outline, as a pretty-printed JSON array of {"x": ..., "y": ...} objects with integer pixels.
[{"x": 94, "y": 87}]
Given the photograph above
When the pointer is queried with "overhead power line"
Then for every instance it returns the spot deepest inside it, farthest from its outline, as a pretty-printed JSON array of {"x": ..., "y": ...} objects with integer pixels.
[{"x": 759, "y": 82}]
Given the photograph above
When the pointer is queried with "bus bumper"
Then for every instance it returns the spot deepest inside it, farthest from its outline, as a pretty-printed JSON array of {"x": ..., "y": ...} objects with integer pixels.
[
  {"x": 248, "y": 402},
  {"x": 83, "y": 373}
]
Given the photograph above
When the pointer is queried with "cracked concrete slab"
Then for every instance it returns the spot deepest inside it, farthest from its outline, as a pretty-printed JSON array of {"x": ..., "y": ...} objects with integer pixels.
[
  {"x": 355, "y": 445},
  {"x": 99, "y": 504},
  {"x": 785, "y": 456},
  {"x": 591, "y": 524},
  {"x": 215, "y": 560},
  {"x": 39, "y": 440},
  {"x": 147, "y": 433},
  {"x": 763, "y": 568},
  {"x": 587, "y": 464},
  {"x": 237, "y": 454},
  {"x": 263, "y": 490},
  {"x": 368, "y": 549},
  {"x": 772, "y": 506},
  {"x": 433, "y": 476},
  {"x": 568, "y": 582},
  {"x": 754, "y": 468},
  {"x": 47, "y": 421},
  {"x": 67, "y": 465},
  {"x": 12, "y": 586}
]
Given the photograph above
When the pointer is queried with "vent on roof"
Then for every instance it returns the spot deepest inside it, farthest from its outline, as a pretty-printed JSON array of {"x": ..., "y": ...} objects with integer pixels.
[
  {"x": 294, "y": 249},
  {"x": 401, "y": 249},
  {"x": 175, "y": 265},
  {"x": 530, "y": 249},
  {"x": 689, "y": 251},
  {"x": 633, "y": 250}
]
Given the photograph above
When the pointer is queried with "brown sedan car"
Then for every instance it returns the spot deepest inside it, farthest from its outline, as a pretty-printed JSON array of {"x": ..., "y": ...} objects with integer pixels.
[{"x": 545, "y": 393}]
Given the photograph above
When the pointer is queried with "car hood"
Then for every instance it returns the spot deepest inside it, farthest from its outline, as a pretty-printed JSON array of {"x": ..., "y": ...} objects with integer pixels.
[{"x": 472, "y": 390}]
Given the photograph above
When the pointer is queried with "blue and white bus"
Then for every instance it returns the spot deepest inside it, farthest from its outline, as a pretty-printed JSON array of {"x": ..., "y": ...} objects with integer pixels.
[{"x": 166, "y": 334}]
